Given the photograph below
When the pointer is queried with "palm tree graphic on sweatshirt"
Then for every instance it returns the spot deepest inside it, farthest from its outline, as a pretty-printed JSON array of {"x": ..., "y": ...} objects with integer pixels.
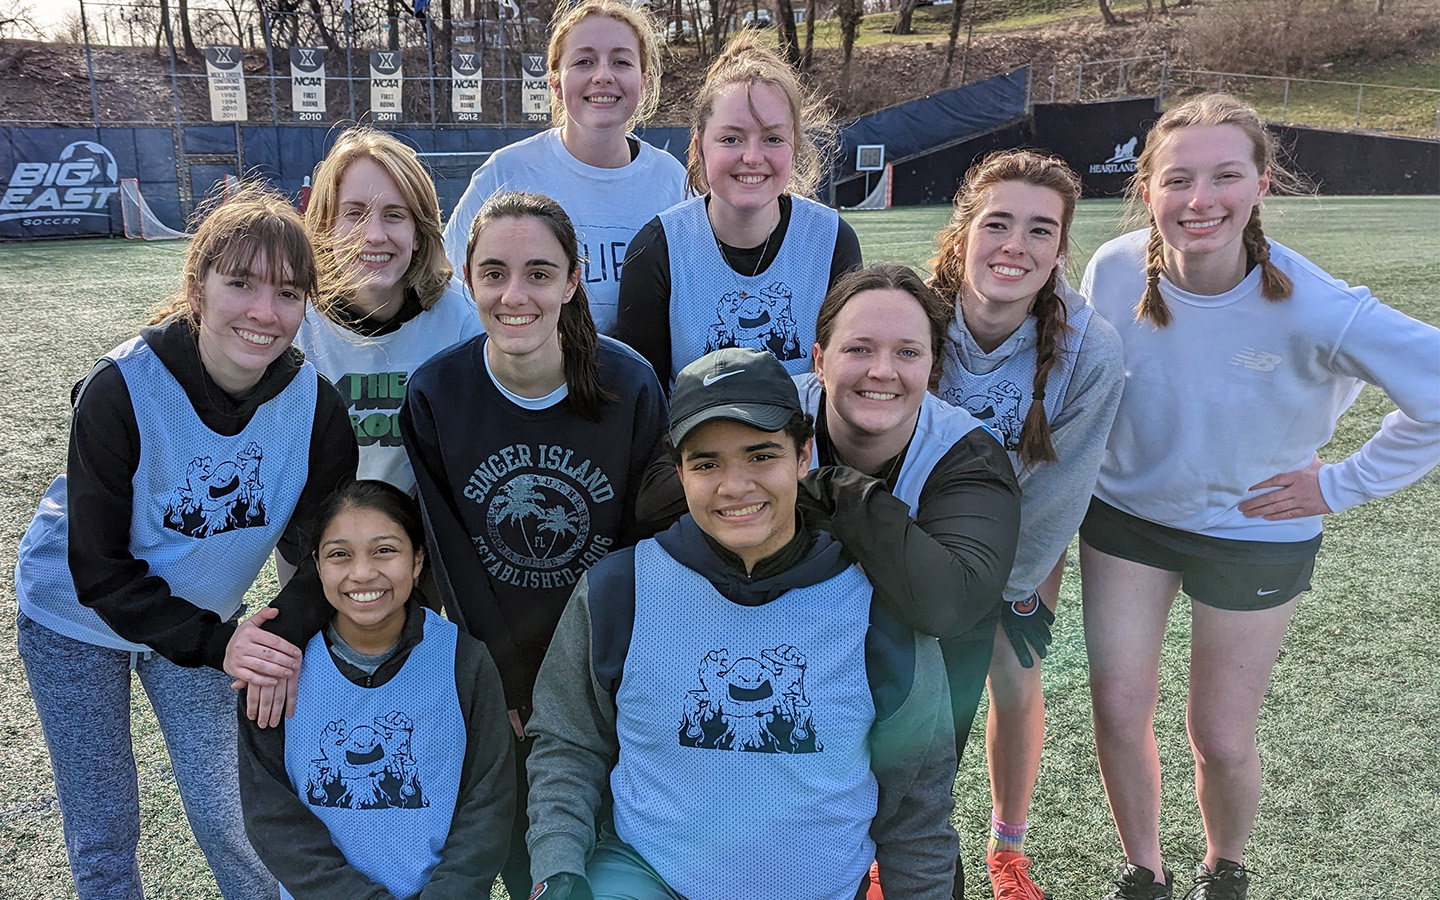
[{"x": 522, "y": 504}]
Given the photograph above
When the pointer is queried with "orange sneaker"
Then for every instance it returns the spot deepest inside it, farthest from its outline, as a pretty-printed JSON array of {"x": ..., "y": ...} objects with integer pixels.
[
  {"x": 1010, "y": 877},
  {"x": 873, "y": 892}
]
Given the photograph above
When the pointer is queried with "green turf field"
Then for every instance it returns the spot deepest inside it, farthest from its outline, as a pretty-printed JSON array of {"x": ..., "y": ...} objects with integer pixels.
[{"x": 1349, "y": 734}]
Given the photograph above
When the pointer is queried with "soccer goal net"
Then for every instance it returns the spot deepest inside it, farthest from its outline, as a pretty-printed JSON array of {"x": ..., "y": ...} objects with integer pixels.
[
  {"x": 879, "y": 196},
  {"x": 140, "y": 223}
]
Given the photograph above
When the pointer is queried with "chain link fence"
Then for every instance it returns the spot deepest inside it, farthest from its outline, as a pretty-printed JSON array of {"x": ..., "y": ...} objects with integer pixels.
[{"x": 1411, "y": 111}]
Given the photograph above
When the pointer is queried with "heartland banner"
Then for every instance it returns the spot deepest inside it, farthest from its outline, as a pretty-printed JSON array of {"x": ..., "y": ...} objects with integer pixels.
[
  {"x": 465, "y": 85},
  {"x": 535, "y": 91},
  {"x": 385, "y": 81},
  {"x": 307, "y": 83},
  {"x": 226, "y": 73}
]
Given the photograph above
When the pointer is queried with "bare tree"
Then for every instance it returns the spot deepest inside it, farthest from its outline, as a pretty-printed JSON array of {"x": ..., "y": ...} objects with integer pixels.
[
  {"x": 185, "y": 34},
  {"x": 903, "y": 17},
  {"x": 785, "y": 26},
  {"x": 17, "y": 18},
  {"x": 954, "y": 37},
  {"x": 849, "y": 12},
  {"x": 808, "y": 55},
  {"x": 1108, "y": 14}
]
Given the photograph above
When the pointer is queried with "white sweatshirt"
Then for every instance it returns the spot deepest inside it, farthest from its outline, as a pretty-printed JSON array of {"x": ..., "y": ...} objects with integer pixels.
[{"x": 1239, "y": 388}]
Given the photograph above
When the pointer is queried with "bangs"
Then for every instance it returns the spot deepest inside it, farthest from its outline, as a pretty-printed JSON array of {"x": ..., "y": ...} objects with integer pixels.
[{"x": 267, "y": 248}]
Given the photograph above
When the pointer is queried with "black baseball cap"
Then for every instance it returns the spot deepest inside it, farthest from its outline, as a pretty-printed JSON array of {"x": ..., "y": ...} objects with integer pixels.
[{"x": 736, "y": 383}]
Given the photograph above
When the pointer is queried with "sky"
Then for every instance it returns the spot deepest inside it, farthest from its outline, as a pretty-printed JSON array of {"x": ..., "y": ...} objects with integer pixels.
[{"x": 48, "y": 13}]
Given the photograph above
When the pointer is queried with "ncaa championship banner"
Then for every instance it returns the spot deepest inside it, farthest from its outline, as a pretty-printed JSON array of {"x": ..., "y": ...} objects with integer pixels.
[
  {"x": 465, "y": 85},
  {"x": 535, "y": 89},
  {"x": 223, "y": 65},
  {"x": 385, "y": 81},
  {"x": 307, "y": 84}
]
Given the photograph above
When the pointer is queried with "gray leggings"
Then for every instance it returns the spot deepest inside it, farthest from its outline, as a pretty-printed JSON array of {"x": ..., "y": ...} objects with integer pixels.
[{"x": 82, "y": 693}]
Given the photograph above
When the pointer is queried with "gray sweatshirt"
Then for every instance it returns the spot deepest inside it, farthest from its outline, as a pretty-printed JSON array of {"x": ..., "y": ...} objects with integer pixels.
[
  {"x": 911, "y": 743},
  {"x": 1054, "y": 496}
]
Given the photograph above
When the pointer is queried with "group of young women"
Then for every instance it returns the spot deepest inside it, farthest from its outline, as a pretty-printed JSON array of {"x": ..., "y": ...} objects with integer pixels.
[{"x": 966, "y": 427}]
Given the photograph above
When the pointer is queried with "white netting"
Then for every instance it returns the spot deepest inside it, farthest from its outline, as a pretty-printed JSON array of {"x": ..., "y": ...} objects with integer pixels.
[
  {"x": 879, "y": 198},
  {"x": 140, "y": 223}
]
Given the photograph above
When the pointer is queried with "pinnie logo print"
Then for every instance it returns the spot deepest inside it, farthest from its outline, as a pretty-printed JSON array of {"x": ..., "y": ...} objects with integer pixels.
[
  {"x": 752, "y": 705},
  {"x": 217, "y": 498},
  {"x": 366, "y": 767},
  {"x": 999, "y": 408},
  {"x": 763, "y": 321}
]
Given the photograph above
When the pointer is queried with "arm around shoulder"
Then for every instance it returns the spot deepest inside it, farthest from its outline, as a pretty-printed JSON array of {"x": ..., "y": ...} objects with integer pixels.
[
  {"x": 333, "y": 459},
  {"x": 1054, "y": 496},
  {"x": 643, "y": 317}
]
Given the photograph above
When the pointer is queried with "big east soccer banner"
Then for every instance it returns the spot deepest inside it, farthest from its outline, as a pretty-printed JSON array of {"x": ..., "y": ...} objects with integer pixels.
[{"x": 57, "y": 194}]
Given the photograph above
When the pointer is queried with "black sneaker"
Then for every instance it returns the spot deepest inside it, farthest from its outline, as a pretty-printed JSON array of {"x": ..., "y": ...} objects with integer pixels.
[
  {"x": 1227, "y": 881},
  {"x": 1138, "y": 883}
]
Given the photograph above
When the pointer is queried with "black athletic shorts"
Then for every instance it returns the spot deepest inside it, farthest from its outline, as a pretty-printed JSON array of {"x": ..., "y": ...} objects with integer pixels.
[{"x": 1218, "y": 572}]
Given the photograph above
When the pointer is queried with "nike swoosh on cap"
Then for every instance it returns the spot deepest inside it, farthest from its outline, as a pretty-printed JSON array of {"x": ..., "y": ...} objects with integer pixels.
[{"x": 711, "y": 379}]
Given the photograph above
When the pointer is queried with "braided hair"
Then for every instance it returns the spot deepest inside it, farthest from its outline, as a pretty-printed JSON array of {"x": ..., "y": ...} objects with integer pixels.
[
  {"x": 1209, "y": 109},
  {"x": 1048, "y": 307}
]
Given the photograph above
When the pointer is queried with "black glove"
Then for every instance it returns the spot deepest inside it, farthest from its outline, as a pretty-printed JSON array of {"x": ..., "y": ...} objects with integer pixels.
[
  {"x": 562, "y": 886},
  {"x": 1027, "y": 622}
]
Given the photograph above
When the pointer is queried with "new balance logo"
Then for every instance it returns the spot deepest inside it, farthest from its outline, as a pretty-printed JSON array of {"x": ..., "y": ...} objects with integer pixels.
[{"x": 1258, "y": 360}]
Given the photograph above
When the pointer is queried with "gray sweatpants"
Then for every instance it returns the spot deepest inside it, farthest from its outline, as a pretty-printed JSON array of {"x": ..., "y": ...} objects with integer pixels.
[{"x": 82, "y": 693}]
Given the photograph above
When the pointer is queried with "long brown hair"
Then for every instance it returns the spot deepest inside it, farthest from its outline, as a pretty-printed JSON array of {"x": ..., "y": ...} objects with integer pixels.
[
  {"x": 886, "y": 276},
  {"x": 1209, "y": 109},
  {"x": 579, "y": 339},
  {"x": 1048, "y": 308},
  {"x": 749, "y": 60}
]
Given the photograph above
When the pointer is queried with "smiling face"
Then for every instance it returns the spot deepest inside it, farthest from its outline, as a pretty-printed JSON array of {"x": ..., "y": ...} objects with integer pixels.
[
  {"x": 245, "y": 321},
  {"x": 372, "y": 212},
  {"x": 520, "y": 278},
  {"x": 875, "y": 368},
  {"x": 599, "y": 75},
  {"x": 368, "y": 567},
  {"x": 1203, "y": 185},
  {"x": 740, "y": 485},
  {"x": 1012, "y": 245},
  {"x": 748, "y": 152}
]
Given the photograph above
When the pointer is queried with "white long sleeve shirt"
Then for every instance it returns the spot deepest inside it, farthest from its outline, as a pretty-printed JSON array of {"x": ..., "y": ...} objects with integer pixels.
[{"x": 1238, "y": 389}]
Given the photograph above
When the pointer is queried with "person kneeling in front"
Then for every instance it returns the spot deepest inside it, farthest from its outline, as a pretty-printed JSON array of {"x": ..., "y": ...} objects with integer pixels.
[{"x": 763, "y": 726}]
